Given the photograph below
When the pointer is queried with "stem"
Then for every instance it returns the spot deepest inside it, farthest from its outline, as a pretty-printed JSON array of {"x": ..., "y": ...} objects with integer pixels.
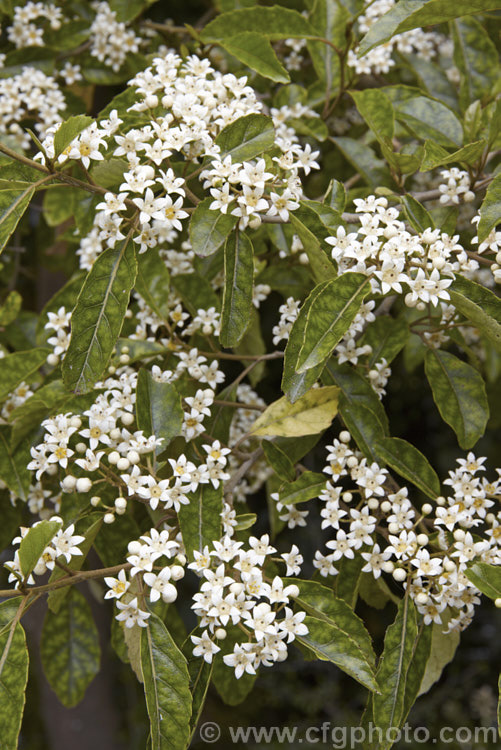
[{"x": 84, "y": 575}]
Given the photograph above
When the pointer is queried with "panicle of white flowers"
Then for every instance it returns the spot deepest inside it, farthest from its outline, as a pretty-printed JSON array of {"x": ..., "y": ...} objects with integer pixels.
[
  {"x": 455, "y": 185},
  {"x": 383, "y": 249},
  {"x": 156, "y": 561},
  {"x": 383, "y": 526},
  {"x": 111, "y": 40},
  {"x": 31, "y": 93},
  {"x": 237, "y": 597},
  {"x": 23, "y": 32}
]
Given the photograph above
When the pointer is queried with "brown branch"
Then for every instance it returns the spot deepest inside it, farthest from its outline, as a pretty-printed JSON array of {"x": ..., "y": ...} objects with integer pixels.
[{"x": 84, "y": 575}]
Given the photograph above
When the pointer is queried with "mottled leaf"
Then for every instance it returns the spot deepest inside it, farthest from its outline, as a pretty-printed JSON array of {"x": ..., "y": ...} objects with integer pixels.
[
  {"x": 246, "y": 138},
  {"x": 14, "y": 661},
  {"x": 98, "y": 316},
  {"x": 255, "y": 51},
  {"x": 166, "y": 687},
  {"x": 410, "y": 463},
  {"x": 237, "y": 292},
  {"x": 70, "y": 648},
  {"x": 459, "y": 393},
  {"x": 159, "y": 409},
  {"x": 331, "y": 643},
  {"x": 209, "y": 229}
]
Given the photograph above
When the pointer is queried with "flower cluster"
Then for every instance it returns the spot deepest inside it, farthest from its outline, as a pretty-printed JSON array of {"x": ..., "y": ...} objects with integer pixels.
[
  {"x": 427, "y": 550},
  {"x": 25, "y": 33},
  {"x": 29, "y": 94},
  {"x": 237, "y": 599},
  {"x": 383, "y": 248},
  {"x": 154, "y": 563},
  {"x": 456, "y": 184},
  {"x": 111, "y": 40}
]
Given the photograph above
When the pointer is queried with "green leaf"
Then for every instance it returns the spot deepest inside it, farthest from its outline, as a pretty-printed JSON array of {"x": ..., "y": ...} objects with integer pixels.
[
  {"x": 331, "y": 643},
  {"x": 158, "y": 408},
  {"x": 201, "y": 673},
  {"x": 127, "y": 10},
  {"x": 255, "y": 51},
  {"x": 330, "y": 19},
  {"x": 68, "y": 36},
  {"x": 246, "y": 137},
  {"x": 13, "y": 204},
  {"x": 335, "y": 196},
  {"x": 166, "y": 687},
  {"x": 69, "y": 130},
  {"x": 328, "y": 318},
  {"x": 443, "y": 648},
  {"x": 245, "y": 521},
  {"x": 34, "y": 543},
  {"x": 409, "y": 14},
  {"x": 410, "y": 463},
  {"x": 433, "y": 80},
  {"x": 393, "y": 668},
  {"x": 279, "y": 461},
  {"x": 237, "y": 292},
  {"x": 310, "y": 414},
  {"x": 487, "y": 578},
  {"x": 476, "y": 58},
  {"x": 418, "y": 666},
  {"x": 14, "y": 368},
  {"x": 481, "y": 306},
  {"x": 320, "y": 601},
  {"x": 490, "y": 210},
  {"x": 377, "y": 111},
  {"x": 359, "y": 407},
  {"x": 98, "y": 316},
  {"x": 58, "y": 204},
  {"x": 294, "y": 384},
  {"x": 436, "y": 156},
  {"x": 387, "y": 337},
  {"x": 209, "y": 229},
  {"x": 109, "y": 173},
  {"x": 70, "y": 649},
  {"x": 311, "y": 231},
  {"x": 14, "y": 661},
  {"x": 365, "y": 161},
  {"x": 10, "y": 308},
  {"x": 309, "y": 485},
  {"x": 459, "y": 393},
  {"x": 200, "y": 520},
  {"x": 416, "y": 214},
  {"x": 153, "y": 281},
  {"x": 429, "y": 119},
  {"x": 13, "y": 463},
  {"x": 375, "y": 591},
  {"x": 272, "y": 23}
]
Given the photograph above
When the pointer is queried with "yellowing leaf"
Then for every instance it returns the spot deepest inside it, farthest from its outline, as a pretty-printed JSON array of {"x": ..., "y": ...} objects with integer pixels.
[{"x": 309, "y": 415}]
